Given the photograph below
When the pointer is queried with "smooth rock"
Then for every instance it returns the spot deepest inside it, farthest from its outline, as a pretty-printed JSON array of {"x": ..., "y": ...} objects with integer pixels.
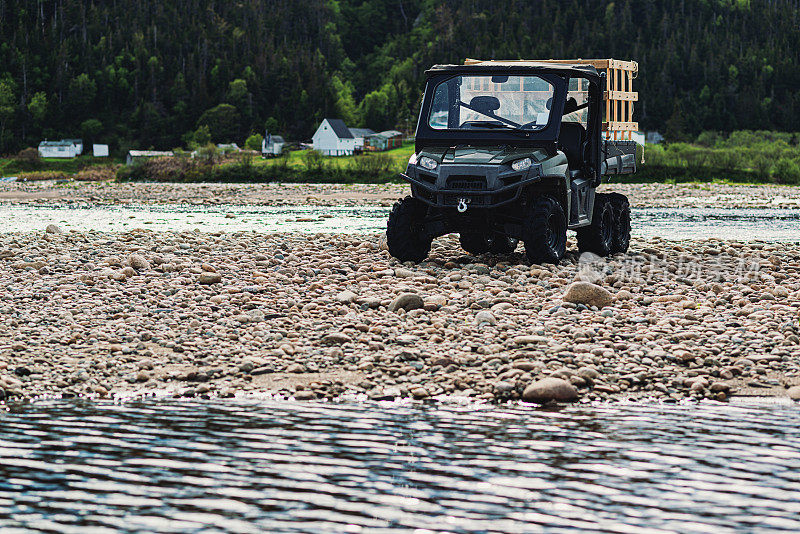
[
  {"x": 304, "y": 395},
  {"x": 53, "y": 229},
  {"x": 485, "y": 317},
  {"x": 420, "y": 393},
  {"x": 550, "y": 389},
  {"x": 407, "y": 302},
  {"x": 138, "y": 262},
  {"x": 209, "y": 278},
  {"x": 526, "y": 340},
  {"x": 588, "y": 294},
  {"x": 345, "y": 297},
  {"x": 335, "y": 338},
  {"x": 404, "y": 273}
]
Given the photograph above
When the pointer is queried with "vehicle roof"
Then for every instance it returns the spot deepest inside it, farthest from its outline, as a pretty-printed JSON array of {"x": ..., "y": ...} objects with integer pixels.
[{"x": 521, "y": 67}]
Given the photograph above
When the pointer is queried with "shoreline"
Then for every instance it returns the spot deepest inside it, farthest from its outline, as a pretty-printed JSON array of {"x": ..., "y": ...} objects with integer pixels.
[
  {"x": 313, "y": 317},
  {"x": 703, "y": 195}
]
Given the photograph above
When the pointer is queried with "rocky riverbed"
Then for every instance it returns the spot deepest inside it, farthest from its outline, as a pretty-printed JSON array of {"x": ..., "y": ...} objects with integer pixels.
[
  {"x": 321, "y": 316},
  {"x": 696, "y": 195}
]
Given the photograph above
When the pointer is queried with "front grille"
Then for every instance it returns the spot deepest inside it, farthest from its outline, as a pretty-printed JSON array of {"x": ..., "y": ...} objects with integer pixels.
[
  {"x": 425, "y": 177},
  {"x": 467, "y": 183}
]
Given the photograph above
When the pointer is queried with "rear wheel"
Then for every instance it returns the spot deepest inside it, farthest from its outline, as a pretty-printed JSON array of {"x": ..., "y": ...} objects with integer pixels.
[
  {"x": 404, "y": 236},
  {"x": 545, "y": 231},
  {"x": 474, "y": 243},
  {"x": 598, "y": 237},
  {"x": 622, "y": 223}
]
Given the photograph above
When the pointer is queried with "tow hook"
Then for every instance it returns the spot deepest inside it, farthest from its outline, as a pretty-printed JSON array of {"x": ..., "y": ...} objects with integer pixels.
[{"x": 462, "y": 205}]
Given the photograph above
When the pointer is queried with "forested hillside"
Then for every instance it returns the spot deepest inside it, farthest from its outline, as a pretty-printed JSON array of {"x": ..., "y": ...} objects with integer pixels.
[{"x": 147, "y": 74}]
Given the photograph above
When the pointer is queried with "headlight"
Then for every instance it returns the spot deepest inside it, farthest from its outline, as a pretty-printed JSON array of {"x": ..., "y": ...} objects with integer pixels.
[
  {"x": 413, "y": 159},
  {"x": 522, "y": 164},
  {"x": 428, "y": 163}
]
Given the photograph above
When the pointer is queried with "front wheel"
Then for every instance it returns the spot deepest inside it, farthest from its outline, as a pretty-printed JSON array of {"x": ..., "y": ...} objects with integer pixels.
[
  {"x": 545, "y": 231},
  {"x": 598, "y": 237},
  {"x": 622, "y": 223},
  {"x": 502, "y": 244},
  {"x": 404, "y": 236}
]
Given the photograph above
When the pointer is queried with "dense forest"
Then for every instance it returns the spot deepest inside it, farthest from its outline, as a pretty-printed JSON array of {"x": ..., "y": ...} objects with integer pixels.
[{"x": 137, "y": 73}]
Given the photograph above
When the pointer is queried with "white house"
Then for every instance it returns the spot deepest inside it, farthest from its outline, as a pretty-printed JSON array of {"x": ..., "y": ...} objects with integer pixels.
[
  {"x": 333, "y": 138},
  {"x": 272, "y": 145},
  {"x": 100, "y": 151},
  {"x": 66, "y": 148},
  {"x": 78, "y": 144}
]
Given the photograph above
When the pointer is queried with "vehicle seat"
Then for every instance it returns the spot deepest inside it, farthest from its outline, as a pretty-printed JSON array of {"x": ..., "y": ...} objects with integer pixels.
[{"x": 570, "y": 141}]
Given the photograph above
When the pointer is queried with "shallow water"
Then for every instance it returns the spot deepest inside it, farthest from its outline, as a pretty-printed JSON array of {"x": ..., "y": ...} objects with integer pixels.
[
  {"x": 279, "y": 466},
  {"x": 685, "y": 223}
]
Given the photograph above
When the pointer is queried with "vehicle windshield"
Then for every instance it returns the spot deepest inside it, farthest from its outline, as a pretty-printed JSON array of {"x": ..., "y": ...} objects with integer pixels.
[{"x": 470, "y": 102}]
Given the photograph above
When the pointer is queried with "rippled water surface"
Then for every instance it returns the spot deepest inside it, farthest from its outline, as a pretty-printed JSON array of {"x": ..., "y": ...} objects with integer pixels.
[
  {"x": 270, "y": 466},
  {"x": 683, "y": 223}
]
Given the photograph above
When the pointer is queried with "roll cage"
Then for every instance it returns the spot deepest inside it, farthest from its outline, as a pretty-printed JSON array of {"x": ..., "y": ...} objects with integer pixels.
[{"x": 546, "y": 138}]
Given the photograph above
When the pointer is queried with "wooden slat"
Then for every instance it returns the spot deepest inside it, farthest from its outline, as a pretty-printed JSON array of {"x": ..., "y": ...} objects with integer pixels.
[
  {"x": 597, "y": 63},
  {"x": 621, "y": 126}
]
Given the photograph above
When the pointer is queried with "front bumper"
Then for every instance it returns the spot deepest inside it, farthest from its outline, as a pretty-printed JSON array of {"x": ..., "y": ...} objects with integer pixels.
[{"x": 477, "y": 186}]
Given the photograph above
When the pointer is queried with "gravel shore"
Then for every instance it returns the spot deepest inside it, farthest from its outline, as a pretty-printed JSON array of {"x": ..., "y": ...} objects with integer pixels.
[
  {"x": 320, "y": 316},
  {"x": 641, "y": 195}
]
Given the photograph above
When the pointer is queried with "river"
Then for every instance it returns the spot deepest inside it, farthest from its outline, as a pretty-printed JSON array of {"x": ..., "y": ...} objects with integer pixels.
[
  {"x": 674, "y": 223},
  {"x": 263, "y": 465}
]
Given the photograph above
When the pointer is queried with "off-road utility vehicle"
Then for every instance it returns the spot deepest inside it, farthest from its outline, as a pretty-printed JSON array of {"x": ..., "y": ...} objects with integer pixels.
[{"x": 510, "y": 151}]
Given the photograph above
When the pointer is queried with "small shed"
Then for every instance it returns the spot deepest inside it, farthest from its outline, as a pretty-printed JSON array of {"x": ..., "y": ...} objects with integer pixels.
[
  {"x": 653, "y": 138},
  {"x": 272, "y": 145},
  {"x": 386, "y": 140},
  {"x": 65, "y": 148},
  {"x": 140, "y": 155},
  {"x": 100, "y": 151},
  {"x": 360, "y": 135}
]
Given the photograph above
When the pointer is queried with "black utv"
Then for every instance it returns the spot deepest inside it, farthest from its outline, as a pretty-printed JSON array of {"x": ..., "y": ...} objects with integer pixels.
[{"x": 509, "y": 152}]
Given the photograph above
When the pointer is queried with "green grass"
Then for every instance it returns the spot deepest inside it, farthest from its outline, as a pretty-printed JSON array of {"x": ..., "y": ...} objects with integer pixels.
[
  {"x": 296, "y": 159},
  {"x": 742, "y": 157},
  {"x": 11, "y": 167}
]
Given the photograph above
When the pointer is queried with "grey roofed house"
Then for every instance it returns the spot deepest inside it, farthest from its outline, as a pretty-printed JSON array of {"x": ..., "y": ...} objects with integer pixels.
[
  {"x": 63, "y": 142},
  {"x": 361, "y": 132},
  {"x": 340, "y": 129}
]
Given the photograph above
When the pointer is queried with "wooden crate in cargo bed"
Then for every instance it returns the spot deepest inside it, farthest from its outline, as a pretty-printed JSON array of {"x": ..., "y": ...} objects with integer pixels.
[{"x": 619, "y": 95}]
